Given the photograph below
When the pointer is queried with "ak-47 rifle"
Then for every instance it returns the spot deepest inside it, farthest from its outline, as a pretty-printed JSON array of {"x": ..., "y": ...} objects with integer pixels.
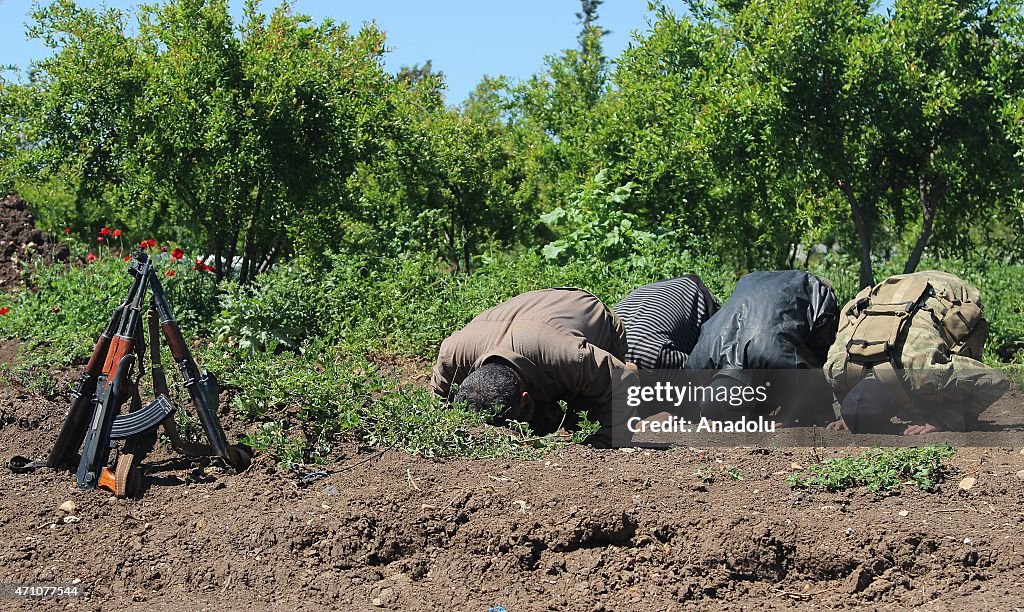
[
  {"x": 202, "y": 386},
  {"x": 112, "y": 386},
  {"x": 94, "y": 422},
  {"x": 65, "y": 450}
]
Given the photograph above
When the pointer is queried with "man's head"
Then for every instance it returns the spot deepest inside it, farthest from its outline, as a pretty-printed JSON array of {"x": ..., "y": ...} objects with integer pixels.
[
  {"x": 869, "y": 407},
  {"x": 496, "y": 388}
]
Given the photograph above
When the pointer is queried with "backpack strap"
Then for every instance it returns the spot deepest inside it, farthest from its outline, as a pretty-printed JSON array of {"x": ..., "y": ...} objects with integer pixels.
[{"x": 882, "y": 317}]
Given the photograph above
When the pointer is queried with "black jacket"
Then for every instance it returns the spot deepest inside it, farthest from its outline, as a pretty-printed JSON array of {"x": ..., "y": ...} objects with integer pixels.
[{"x": 773, "y": 320}]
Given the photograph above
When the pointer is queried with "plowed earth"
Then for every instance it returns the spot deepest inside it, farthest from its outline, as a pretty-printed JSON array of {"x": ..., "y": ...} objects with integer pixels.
[{"x": 579, "y": 529}]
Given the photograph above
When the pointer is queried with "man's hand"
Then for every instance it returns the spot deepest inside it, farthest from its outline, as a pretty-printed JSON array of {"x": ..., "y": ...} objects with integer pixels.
[
  {"x": 916, "y": 430},
  {"x": 837, "y": 425}
]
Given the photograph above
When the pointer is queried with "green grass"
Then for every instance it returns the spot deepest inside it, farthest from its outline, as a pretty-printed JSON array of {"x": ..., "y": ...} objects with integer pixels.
[
  {"x": 877, "y": 469},
  {"x": 301, "y": 349}
]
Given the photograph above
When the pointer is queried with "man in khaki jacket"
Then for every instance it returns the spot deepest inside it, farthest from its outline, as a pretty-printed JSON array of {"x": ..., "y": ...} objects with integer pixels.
[
  {"x": 910, "y": 348},
  {"x": 524, "y": 355}
]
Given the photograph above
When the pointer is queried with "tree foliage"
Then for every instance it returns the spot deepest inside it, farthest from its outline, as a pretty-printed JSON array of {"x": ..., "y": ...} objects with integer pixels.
[
  {"x": 245, "y": 134},
  {"x": 750, "y": 130}
]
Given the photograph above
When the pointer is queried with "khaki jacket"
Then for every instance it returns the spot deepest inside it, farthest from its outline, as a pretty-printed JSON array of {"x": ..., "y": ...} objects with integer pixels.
[{"x": 565, "y": 343}]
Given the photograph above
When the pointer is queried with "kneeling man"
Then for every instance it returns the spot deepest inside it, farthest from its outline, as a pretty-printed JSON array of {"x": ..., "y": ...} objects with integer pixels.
[
  {"x": 775, "y": 330},
  {"x": 663, "y": 321},
  {"x": 523, "y": 356},
  {"x": 909, "y": 349}
]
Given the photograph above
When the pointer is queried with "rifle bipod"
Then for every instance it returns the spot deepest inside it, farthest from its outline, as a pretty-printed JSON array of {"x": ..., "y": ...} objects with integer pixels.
[{"x": 94, "y": 422}]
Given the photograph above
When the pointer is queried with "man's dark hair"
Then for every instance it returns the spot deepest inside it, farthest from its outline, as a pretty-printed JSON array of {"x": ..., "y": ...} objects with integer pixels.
[{"x": 491, "y": 388}]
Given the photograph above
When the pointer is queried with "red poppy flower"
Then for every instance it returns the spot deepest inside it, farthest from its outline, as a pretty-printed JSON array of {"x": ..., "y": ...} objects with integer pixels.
[
  {"x": 169, "y": 273},
  {"x": 105, "y": 231},
  {"x": 67, "y": 230},
  {"x": 100, "y": 239},
  {"x": 117, "y": 233},
  {"x": 4, "y": 310},
  {"x": 200, "y": 266},
  {"x": 177, "y": 254},
  {"x": 90, "y": 257}
]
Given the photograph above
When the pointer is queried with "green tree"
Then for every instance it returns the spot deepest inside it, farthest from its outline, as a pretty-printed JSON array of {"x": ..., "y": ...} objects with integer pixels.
[
  {"x": 554, "y": 116},
  {"x": 446, "y": 184},
  {"x": 786, "y": 106},
  {"x": 959, "y": 161},
  {"x": 244, "y": 135},
  {"x": 417, "y": 73}
]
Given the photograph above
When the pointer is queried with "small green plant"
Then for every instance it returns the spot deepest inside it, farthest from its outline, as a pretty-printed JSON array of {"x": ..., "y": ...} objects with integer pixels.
[
  {"x": 734, "y": 473},
  {"x": 271, "y": 436},
  {"x": 878, "y": 469},
  {"x": 584, "y": 427}
]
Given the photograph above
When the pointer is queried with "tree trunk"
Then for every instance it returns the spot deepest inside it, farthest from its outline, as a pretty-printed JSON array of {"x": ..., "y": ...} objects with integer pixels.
[
  {"x": 271, "y": 256},
  {"x": 930, "y": 192},
  {"x": 232, "y": 244},
  {"x": 249, "y": 248},
  {"x": 218, "y": 252},
  {"x": 863, "y": 222}
]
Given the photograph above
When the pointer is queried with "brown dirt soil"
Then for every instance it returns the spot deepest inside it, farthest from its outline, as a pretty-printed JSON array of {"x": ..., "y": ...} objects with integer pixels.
[
  {"x": 580, "y": 529},
  {"x": 21, "y": 242}
]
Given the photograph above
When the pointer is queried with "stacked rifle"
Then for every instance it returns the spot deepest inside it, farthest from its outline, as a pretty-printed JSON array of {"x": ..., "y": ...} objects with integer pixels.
[{"x": 111, "y": 381}]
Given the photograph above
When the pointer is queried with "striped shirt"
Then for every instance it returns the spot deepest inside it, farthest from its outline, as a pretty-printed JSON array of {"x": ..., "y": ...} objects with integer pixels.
[{"x": 663, "y": 321}]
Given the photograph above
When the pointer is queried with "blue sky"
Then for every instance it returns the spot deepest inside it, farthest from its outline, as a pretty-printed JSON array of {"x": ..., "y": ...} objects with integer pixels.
[{"x": 465, "y": 39}]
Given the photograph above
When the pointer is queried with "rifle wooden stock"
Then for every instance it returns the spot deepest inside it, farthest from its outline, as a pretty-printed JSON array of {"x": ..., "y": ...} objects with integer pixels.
[
  {"x": 175, "y": 341},
  {"x": 99, "y": 352},
  {"x": 119, "y": 347}
]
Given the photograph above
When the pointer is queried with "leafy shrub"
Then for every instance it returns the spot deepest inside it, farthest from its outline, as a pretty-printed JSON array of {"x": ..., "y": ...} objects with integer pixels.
[
  {"x": 59, "y": 321},
  {"x": 595, "y": 224}
]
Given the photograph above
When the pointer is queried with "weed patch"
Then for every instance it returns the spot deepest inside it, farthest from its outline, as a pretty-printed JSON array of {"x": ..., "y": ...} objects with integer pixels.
[{"x": 877, "y": 469}]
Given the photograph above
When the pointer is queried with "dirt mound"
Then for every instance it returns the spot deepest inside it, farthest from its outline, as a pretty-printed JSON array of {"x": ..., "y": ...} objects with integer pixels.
[
  {"x": 21, "y": 242},
  {"x": 581, "y": 529}
]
